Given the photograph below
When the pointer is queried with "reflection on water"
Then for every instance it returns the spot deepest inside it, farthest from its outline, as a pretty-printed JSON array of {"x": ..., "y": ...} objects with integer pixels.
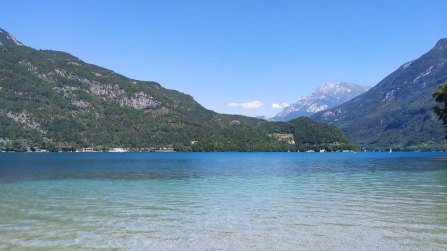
[{"x": 227, "y": 201}]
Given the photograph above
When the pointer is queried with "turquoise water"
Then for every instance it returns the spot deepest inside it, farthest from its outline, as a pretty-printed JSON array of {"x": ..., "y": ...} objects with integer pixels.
[{"x": 223, "y": 201}]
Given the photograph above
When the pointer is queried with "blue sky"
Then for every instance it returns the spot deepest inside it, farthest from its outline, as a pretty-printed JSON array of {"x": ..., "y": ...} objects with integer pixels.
[{"x": 235, "y": 56}]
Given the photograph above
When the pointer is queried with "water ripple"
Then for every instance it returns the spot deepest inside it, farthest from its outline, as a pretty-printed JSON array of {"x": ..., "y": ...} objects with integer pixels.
[{"x": 223, "y": 202}]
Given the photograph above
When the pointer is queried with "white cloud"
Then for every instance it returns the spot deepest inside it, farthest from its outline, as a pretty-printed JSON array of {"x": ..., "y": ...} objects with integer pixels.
[
  {"x": 247, "y": 105},
  {"x": 279, "y": 106},
  {"x": 252, "y": 104},
  {"x": 276, "y": 106}
]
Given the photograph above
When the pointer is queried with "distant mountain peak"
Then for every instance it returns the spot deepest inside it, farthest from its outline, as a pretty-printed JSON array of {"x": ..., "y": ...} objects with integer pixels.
[
  {"x": 336, "y": 87},
  {"x": 441, "y": 44},
  {"x": 7, "y": 40},
  {"x": 327, "y": 95}
]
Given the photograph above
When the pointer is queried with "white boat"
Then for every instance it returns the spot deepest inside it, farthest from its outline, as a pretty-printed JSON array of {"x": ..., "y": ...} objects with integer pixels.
[
  {"x": 118, "y": 150},
  {"x": 391, "y": 150}
]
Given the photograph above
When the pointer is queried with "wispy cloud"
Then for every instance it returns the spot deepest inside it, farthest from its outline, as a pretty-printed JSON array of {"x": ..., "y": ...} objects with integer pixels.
[
  {"x": 279, "y": 106},
  {"x": 247, "y": 105}
]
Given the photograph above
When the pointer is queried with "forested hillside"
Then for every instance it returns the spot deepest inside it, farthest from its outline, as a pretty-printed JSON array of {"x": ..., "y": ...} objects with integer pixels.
[{"x": 53, "y": 100}]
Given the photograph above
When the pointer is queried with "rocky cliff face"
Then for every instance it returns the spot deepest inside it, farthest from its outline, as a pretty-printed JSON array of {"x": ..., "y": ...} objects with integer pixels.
[{"x": 324, "y": 97}]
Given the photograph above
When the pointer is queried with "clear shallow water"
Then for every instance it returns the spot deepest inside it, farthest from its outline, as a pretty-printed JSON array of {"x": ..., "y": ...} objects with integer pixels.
[{"x": 223, "y": 201}]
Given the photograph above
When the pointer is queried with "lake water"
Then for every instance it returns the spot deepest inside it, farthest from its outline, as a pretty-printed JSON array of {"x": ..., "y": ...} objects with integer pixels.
[{"x": 223, "y": 201}]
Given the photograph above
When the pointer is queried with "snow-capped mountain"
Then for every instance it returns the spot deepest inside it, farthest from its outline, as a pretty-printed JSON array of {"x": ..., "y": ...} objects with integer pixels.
[{"x": 324, "y": 97}]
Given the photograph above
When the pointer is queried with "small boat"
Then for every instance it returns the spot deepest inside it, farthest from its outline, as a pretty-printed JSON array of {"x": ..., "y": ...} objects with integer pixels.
[{"x": 391, "y": 150}]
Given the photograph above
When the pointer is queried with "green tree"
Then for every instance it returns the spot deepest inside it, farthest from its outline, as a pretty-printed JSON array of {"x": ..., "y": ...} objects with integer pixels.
[{"x": 440, "y": 96}]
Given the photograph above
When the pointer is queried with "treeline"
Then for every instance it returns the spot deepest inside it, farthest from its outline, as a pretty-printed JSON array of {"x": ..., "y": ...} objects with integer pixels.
[{"x": 306, "y": 134}]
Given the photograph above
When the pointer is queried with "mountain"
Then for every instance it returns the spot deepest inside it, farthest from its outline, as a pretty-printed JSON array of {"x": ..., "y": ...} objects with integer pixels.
[
  {"x": 398, "y": 111},
  {"x": 53, "y": 100},
  {"x": 8, "y": 41},
  {"x": 324, "y": 97}
]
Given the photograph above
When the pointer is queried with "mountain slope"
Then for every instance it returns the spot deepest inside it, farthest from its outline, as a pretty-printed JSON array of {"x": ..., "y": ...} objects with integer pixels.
[
  {"x": 324, "y": 97},
  {"x": 54, "y": 100},
  {"x": 397, "y": 112}
]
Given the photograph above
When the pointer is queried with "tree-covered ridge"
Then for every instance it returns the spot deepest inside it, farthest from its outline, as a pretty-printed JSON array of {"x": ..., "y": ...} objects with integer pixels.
[
  {"x": 301, "y": 134},
  {"x": 53, "y": 100}
]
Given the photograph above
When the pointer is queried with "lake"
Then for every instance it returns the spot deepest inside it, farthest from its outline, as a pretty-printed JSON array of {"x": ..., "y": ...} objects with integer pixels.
[{"x": 223, "y": 201}]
